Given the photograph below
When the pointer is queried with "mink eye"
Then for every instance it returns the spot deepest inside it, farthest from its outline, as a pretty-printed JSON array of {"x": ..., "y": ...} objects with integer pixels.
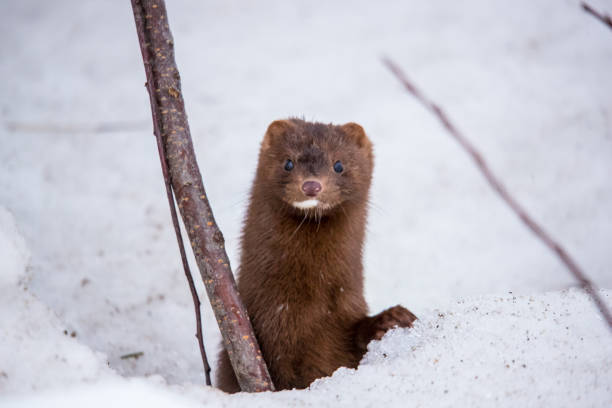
[
  {"x": 338, "y": 167},
  {"x": 288, "y": 165}
]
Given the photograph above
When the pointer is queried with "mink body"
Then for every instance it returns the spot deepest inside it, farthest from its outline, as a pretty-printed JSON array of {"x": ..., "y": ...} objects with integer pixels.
[{"x": 301, "y": 273}]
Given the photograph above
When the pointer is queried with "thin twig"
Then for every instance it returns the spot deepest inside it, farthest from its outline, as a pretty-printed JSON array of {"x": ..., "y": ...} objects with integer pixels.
[
  {"x": 604, "y": 18},
  {"x": 179, "y": 239},
  {"x": 170, "y": 196},
  {"x": 136, "y": 355},
  {"x": 502, "y": 191}
]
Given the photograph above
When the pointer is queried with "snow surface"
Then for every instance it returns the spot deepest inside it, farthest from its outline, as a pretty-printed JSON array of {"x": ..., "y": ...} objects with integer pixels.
[{"x": 89, "y": 266}]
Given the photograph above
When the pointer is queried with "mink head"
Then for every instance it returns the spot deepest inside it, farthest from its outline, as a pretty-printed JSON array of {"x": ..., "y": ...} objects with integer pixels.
[{"x": 314, "y": 168}]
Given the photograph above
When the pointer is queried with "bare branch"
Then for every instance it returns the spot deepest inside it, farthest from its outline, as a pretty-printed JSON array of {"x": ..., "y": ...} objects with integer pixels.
[
  {"x": 496, "y": 184},
  {"x": 604, "y": 18},
  {"x": 176, "y": 151}
]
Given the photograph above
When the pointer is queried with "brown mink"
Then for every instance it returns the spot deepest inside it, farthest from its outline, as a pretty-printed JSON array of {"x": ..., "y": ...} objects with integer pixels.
[{"x": 301, "y": 273}]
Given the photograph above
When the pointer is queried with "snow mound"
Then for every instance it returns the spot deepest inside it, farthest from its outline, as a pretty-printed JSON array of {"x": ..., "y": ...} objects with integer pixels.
[
  {"x": 552, "y": 349},
  {"x": 549, "y": 349},
  {"x": 37, "y": 350},
  {"x": 124, "y": 393},
  {"x": 13, "y": 251}
]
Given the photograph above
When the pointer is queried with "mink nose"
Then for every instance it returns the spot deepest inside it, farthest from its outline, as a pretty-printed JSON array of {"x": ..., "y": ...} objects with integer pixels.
[{"x": 311, "y": 188}]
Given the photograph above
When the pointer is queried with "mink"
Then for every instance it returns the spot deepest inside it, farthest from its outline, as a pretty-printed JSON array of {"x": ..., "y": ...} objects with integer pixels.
[{"x": 301, "y": 272}]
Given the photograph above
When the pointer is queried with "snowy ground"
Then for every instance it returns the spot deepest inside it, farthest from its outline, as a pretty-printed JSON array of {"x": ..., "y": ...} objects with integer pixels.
[{"x": 89, "y": 267}]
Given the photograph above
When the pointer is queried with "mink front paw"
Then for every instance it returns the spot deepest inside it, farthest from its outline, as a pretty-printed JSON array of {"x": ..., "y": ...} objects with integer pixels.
[
  {"x": 375, "y": 327},
  {"x": 396, "y": 316}
]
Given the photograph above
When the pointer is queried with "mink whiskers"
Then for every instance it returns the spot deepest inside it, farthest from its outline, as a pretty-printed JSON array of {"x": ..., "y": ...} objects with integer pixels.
[{"x": 306, "y": 213}]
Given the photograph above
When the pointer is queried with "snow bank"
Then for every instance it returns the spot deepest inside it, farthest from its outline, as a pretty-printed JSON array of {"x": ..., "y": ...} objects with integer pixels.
[
  {"x": 13, "y": 252},
  {"x": 37, "y": 351},
  {"x": 543, "y": 350},
  {"x": 549, "y": 350},
  {"x": 117, "y": 394}
]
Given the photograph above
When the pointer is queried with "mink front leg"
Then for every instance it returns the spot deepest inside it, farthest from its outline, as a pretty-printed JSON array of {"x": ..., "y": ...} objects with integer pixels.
[{"x": 374, "y": 327}]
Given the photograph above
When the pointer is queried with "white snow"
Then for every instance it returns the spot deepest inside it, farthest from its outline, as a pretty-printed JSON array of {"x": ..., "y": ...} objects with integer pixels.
[{"x": 89, "y": 267}]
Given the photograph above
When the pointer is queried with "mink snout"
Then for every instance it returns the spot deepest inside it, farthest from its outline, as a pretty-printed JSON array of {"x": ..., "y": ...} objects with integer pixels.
[{"x": 311, "y": 188}]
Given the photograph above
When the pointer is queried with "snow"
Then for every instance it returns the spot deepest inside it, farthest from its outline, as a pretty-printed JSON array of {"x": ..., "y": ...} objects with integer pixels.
[{"x": 90, "y": 271}]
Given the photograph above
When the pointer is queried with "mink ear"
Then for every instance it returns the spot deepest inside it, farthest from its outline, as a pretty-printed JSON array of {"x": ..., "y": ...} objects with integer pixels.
[
  {"x": 356, "y": 132},
  {"x": 277, "y": 129}
]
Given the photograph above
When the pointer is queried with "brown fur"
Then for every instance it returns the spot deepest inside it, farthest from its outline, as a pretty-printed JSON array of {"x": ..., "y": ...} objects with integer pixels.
[{"x": 301, "y": 274}]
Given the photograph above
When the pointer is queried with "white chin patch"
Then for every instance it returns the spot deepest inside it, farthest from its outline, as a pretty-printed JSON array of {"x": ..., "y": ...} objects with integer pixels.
[{"x": 304, "y": 205}]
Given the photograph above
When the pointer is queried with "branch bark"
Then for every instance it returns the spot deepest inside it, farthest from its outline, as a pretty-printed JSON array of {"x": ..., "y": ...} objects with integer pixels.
[
  {"x": 172, "y": 130},
  {"x": 501, "y": 190},
  {"x": 604, "y": 18}
]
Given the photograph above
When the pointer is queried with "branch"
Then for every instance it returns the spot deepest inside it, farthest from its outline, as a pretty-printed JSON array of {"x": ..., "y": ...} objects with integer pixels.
[
  {"x": 496, "y": 184},
  {"x": 176, "y": 151},
  {"x": 604, "y": 18}
]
